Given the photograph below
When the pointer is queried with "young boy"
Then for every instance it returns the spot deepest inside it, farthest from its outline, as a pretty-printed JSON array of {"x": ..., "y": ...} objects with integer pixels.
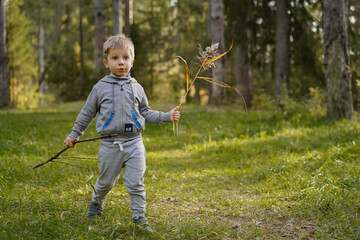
[{"x": 122, "y": 108}]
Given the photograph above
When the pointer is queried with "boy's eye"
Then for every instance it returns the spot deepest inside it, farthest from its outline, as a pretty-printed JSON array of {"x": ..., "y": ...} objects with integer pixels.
[
  {"x": 126, "y": 57},
  {"x": 115, "y": 58}
]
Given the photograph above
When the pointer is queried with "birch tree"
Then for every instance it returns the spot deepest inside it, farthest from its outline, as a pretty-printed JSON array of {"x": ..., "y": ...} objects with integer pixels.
[{"x": 336, "y": 59}]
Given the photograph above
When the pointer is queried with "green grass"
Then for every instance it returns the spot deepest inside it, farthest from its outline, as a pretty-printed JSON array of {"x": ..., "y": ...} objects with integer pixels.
[{"x": 228, "y": 175}]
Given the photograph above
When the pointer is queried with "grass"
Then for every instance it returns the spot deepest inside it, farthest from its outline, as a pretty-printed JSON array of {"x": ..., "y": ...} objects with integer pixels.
[{"x": 228, "y": 175}]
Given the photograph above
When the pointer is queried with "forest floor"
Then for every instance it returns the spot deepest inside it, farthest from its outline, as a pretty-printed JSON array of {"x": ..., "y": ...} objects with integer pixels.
[{"x": 229, "y": 174}]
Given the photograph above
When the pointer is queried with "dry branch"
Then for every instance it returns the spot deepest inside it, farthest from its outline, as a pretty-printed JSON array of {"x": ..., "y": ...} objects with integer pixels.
[{"x": 80, "y": 141}]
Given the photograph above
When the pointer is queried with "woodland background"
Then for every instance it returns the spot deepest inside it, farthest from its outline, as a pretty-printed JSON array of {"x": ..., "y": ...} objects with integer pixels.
[
  {"x": 281, "y": 170},
  {"x": 52, "y": 49}
]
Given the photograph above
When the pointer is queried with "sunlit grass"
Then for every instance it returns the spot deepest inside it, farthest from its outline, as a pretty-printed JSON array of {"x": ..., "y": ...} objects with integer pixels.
[{"x": 227, "y": 175}]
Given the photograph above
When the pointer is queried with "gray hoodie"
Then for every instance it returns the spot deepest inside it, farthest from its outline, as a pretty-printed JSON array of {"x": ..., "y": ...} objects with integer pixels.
[{"x": 122, "y": 108}]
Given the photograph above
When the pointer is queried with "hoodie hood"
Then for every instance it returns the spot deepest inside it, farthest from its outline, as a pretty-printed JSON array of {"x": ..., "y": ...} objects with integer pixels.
[{"x": 111, "y": 78}]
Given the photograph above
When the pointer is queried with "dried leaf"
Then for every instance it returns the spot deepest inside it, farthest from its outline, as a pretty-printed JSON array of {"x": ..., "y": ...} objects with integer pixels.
[
  {"x": 187, "y": 73},
  {"x": 222, "y": 84}
]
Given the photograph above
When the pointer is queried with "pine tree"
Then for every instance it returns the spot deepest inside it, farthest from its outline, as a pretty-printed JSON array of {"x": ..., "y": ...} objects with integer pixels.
[
  {"x": 282, "y": 48},
  {"x": 4, "y": 69},
  {"x": 216, "y": 34},
  {"x": 336, "y": 59}
]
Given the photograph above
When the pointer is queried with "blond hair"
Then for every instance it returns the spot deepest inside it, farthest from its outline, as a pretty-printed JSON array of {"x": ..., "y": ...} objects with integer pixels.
[{"x": 118, "y": 41}]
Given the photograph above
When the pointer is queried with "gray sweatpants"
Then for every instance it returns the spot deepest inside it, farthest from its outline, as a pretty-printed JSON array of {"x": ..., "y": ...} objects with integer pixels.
[{"x": 112, "y": 157}]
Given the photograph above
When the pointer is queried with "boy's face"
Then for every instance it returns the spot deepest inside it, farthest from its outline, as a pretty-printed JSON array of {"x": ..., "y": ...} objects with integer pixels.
[{"x": 119, "y": 61}]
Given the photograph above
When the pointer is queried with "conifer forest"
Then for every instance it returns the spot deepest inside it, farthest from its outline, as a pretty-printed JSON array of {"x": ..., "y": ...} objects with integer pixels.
[
  {"x": 282, "y": 51},
  {"x": 267, "y": 146}
]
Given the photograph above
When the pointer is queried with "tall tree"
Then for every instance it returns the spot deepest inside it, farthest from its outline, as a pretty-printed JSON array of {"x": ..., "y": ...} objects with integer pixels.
[
  {"x": 216, "y": 33},
  {"x": 187, "y": 17},
  {"x": 354, "y": 48},
  {"x": 81, "y": 43},
  {"x": 128, "y": 16},
  {"x": 150, "y": 32},
  {"x": 306, "y": 68},
  {"x": 99, "y": 32},
  {"x": 243, "y": 77},
  {"x": 239, "y": 18},
  {"x": 22, "y": 51},
  {"x": 117, "y": 25},
  {"x": 4, "y": 69},
  {"x": 41, "y": 52},
  {"x": 282, "y": 49},
  {"x": 336, "y": 59}
]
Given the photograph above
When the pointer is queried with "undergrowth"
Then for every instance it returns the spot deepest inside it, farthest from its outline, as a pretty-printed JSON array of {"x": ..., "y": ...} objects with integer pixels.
[{"x": 229, "y": 174}]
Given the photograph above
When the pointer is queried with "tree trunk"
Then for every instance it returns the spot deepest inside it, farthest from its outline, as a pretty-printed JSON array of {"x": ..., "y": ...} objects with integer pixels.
[
  {"x": 117, "y": 17},
  {"x": 217, "y": 94},
  {"x": 99, "y": 32},
  {"x": 82, "y": 79},
  {"x": 56, "y": 32},
  {"x": 4, "y": 69},
  {"x": 128, "y": 17},
  {"x": 282, "y": 57},
  {"x": 243, "y": 77},
  {"x": 41, "y": 50},
  {"x": 336, "y": 59}
]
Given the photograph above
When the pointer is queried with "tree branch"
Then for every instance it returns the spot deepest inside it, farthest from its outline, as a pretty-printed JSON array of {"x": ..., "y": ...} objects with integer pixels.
[{"x": 80, "y": 141}]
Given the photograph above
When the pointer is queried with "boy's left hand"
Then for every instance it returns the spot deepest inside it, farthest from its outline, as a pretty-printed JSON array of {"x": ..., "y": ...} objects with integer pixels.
[{"x": 175, "y": 114}]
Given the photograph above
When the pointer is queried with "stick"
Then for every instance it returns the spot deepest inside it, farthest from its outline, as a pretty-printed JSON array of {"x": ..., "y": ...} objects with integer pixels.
[
  {"x": 72, "y": 165},
  {"x": 80, "y": 141},
  {"x": 52, "y": 158}
]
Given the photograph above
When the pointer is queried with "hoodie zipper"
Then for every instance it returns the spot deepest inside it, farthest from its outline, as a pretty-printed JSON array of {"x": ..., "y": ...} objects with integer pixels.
[{"x": 122, "y": 106}]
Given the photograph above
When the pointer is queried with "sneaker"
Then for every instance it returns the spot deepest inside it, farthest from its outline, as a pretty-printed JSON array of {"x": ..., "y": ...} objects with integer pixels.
[
  {"x": 142, "y": 224},
  {"x": 95, "y": 210}
]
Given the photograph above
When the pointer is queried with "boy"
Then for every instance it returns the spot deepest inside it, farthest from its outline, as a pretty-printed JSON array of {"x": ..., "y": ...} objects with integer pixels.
[{"x": 122, "y": 108}]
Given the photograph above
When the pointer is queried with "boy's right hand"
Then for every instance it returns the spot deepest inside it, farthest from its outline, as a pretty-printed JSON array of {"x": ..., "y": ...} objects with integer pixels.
[{"x": 70, "y": 142}]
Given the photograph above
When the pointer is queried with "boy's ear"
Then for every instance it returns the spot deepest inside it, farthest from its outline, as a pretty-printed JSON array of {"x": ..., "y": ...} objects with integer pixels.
[
  {"x": 105, "y": 63},
  {"x": 132, "y": 63}
]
